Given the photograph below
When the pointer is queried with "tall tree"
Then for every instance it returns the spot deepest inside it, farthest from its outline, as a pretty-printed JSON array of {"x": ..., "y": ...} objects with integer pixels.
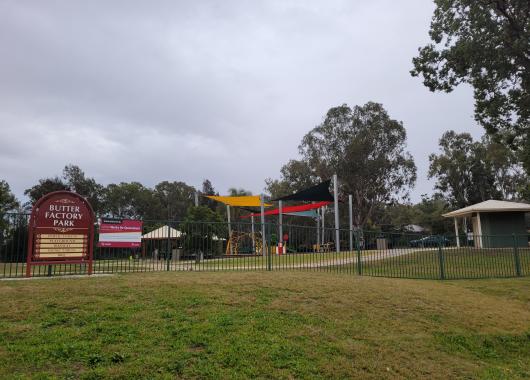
[
  {"x": 45, "y": 186},
  {"x": 468, "y": 171},
  {"x": 130, "y": 200},
  {"x": 8, "y": 201},
  {"x": 73, "y": 179},
  {"x": 366, "y": 149},
  {"x": 484, "y": 43},
  {"x": 199, "y": 236},
  {"x": 175, "y": 198},
  {"x": 76, "y": 181},
  {"x": 208, "y": 189},
  {"x": 428, "y": 214},
  {"x": 296, "y": 175}
]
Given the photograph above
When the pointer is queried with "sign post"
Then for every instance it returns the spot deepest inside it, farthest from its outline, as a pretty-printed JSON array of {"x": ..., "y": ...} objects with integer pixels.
[{"x": 61, "y": 231}]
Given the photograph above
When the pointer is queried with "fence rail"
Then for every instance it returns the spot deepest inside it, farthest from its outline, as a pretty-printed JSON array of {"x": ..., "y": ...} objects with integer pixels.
[{"x": 197, "y": 246}]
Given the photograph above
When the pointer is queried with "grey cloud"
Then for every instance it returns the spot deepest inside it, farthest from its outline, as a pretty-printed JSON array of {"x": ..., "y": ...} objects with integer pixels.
[{"x": 149, "y": 91}]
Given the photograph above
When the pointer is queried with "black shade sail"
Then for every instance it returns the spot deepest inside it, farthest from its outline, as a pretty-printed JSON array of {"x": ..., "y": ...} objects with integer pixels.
[{"x": 318, "y": 193}]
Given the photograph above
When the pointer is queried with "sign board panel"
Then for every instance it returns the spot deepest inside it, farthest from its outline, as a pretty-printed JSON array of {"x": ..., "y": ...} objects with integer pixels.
[
  {"x": 120, "y": 233},
  {"x": 61, "y": 230}
]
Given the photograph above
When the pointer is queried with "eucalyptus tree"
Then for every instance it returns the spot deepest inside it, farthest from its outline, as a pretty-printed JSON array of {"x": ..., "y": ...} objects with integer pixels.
[
  {"x": 484, "y": 43},
  {"x": 365, "y": 148}
]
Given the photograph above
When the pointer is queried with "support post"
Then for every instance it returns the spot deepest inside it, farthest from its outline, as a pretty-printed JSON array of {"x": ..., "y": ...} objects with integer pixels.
[
  {"x": 441, "y": 259},
  {"x": 323, "y": 237},
  {"x": 168, "y": 248},
  {"x": 253, "y": 236},
  {"x": 263, "y": 239},
  {"x": 229, "y": 227},
  {"x": 350, "y": 209},
  {"x": 516, "y": 257},
  {"x": 480, "y": 240},
  {"x": 280, "y": 222},
  {"x": 196, "y": 199},
  {"x": 262, "y": 212},
  {"x": 359, "y": 261},
  {"x": 456, "y": 233},
  {"x": 336, "y": 204},
  {"x": 318, "y": 228}
]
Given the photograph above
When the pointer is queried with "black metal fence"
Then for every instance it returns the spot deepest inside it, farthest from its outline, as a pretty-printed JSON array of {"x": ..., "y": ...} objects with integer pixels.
[{"x": 242, "y": 246}]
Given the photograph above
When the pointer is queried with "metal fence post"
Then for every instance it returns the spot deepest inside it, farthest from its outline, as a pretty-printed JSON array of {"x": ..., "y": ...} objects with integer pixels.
[
  {"x": 350, "y": 212},
  {"x": 280, "y": 222},
  {"x": 168, "y": 248},
  {"x": 516, "y": 257},
  {"x": 264, "y": 246},
  {"x": 441, "y": 259},
  {"x": 336, "y": 206},
  {"x": 358, "y": 247}
]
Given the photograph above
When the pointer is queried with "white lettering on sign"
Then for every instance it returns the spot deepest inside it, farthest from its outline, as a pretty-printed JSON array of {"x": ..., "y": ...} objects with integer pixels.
[{"x": 63, "y": 215}]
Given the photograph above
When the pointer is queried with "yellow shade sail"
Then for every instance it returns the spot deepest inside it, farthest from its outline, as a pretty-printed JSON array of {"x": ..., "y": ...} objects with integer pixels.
[{"x": 242, "y": 201}]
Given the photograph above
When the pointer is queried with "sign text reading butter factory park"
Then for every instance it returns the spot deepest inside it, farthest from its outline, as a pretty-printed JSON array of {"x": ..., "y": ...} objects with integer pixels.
[{"x": 61, "y": 231}]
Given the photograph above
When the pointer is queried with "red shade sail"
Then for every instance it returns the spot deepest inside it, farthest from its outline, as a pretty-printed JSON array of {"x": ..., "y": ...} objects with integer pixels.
[{"x": 289, "y": 209}]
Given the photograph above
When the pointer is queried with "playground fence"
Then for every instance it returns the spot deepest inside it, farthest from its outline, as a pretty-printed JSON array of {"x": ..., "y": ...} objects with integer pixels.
[{"x": 241, "y": 246}]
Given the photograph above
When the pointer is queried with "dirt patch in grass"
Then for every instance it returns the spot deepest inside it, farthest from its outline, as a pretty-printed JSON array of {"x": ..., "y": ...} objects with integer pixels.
[{"x": 252, "y": 325}]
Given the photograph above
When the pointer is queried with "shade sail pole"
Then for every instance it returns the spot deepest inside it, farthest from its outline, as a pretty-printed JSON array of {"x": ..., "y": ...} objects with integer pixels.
[
  {"x": 253, "y": 236},
  {"x": 336, "y": 204},
  {"x": 263, "y": 240},
  {"x": 323, "y": 210},
  {"x": 318, "y": 227},
  {"x": 350, "y": 209},
  {"x": 280, "y": 238},
  {"x": 229, "y": 227}
]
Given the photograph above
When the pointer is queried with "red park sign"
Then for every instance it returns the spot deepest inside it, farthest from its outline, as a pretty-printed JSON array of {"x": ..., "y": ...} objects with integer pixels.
[{"x": 61, "y": 231}]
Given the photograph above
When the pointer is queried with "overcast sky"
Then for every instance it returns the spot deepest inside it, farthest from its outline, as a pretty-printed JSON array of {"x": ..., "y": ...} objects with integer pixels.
[{"x": 187, "y": 90}]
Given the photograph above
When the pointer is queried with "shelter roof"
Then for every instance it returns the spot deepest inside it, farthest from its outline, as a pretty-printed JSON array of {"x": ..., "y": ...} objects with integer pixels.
[
  {"x": 162, "y": 233},
  {"x": 490, "y": 206}
]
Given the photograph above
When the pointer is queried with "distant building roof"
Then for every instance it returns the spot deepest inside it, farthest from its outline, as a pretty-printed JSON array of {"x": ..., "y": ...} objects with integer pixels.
[
  {"x": 490, "y": 206},
  {"x": 413, "y": 228}
]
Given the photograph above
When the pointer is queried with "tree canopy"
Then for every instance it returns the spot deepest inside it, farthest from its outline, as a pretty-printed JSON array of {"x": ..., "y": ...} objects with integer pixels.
[
  {"x": 468, "y": 171},
  {"x": 485, "y": 43},
  {"x": 364, "y": 147}
]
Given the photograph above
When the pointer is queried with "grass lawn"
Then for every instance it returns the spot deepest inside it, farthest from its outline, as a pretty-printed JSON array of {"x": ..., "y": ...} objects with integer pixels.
[
  {"x": 458, "y": 263},
  {"x": 288, "y": 325}
]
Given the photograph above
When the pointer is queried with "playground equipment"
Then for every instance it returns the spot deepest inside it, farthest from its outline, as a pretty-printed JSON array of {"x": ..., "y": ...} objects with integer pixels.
[{"x": 238, "y": 241}]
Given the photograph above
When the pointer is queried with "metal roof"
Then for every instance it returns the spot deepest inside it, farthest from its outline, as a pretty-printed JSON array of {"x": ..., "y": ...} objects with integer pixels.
[{"x": 490, "y": 206}]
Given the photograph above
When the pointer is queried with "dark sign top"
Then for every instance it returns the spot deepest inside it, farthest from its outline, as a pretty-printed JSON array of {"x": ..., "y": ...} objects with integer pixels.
[
  {"x": 63, "y": 212},
  {"x": 61, "y": 225}
]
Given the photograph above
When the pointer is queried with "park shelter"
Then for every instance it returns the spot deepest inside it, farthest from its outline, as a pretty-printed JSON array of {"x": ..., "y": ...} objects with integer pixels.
[
  {"x": 495, "y": 223},
  {"x": 158, "y": 239}
]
